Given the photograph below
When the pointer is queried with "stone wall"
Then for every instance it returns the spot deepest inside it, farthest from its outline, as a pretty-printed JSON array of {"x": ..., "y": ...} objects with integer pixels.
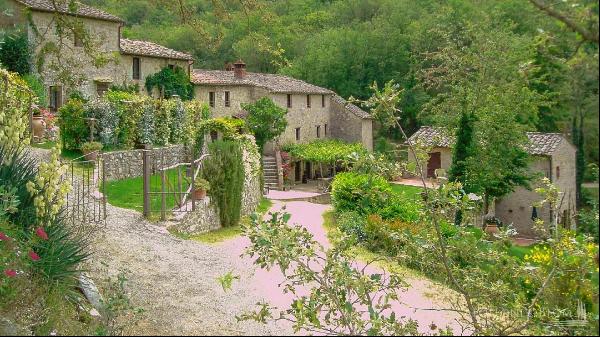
[
  {"x": 347, "y": 126},
  {"x": 129, "y": 164}
]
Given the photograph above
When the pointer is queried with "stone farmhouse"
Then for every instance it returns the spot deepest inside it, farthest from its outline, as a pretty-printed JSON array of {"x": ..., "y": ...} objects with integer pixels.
[
  {"x": 552, "y": 156},
  {"x": 131, "y": 61},
  {"x": 313, "y": 112}
]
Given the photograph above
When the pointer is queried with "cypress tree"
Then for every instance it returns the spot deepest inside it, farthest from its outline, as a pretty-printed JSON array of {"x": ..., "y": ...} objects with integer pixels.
[
  {"x": 463, "y": 150},
  {"x": 578, "y": 141}
]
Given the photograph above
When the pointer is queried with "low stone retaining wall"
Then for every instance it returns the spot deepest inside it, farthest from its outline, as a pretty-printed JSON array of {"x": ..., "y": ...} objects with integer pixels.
[{"x": 129, "y": 163}]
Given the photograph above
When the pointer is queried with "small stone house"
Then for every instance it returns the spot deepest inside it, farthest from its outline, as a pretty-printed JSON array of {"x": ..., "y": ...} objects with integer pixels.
[
  {"x": 313, "y": 112},
  {"x": 552, "y": 156},
  {"x": 130, "y": 61}
]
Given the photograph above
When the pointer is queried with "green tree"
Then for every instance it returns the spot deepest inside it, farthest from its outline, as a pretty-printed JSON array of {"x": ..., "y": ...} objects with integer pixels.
[
  {"x": 14, "y": 52},
  {"x": 266, "y": 120},
  {"x": 463, "y": 149},
  {"x": 171, "y": 82}
]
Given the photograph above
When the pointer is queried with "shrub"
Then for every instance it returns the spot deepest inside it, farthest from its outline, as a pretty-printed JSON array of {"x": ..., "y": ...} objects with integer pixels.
[
  {"x": 88, "y": 147},
  {"x": 37, "y": 86},
  {"x": 107, "y": 121},
  {"x": 224, "y": 170},
  {"x": 352, "y": 223},
  {"x": 178, "y": 122},
  {"x": 364, "y": 193},
  {"x": 16, "y": 170},
  {"x": 74, "y": 129},
  {"x": 162, "y": 122},
  {"x": 15, "y": 54},
  {"x": 146, "y": 125},
  {"x": 401, "y": 207},
  {"x": 201, "y": 184},
  {"x": 171, "y": 82}
]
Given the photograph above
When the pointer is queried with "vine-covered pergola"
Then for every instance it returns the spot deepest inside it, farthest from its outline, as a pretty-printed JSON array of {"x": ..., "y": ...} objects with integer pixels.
[{"x": 324, "y": 152}]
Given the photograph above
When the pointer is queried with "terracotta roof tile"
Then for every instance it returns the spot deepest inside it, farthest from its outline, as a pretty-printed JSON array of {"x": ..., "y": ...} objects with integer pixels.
[
  {"x": 271, "y": 82},
  {"x": 539, "y": 143},
  {"x": 351, "y": 107},
  {"x": 82, "y": 10},
  {"x": 145, "y": 48}
]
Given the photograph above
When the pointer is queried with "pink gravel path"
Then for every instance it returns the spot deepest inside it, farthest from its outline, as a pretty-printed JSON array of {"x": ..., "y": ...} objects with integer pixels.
[{"x": 420, "y": 294}]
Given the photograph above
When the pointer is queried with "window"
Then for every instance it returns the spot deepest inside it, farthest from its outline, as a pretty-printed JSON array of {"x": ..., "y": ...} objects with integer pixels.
[
  {"x": 211, "y": 99},
  {"x": 77, "y": 41},
  {"x": 323, "y": 104},
  {"x": 136, "y": 68},
  {"x": 172, "y": 66},
  {"x": 534, "y": 213},
  {"x": 55, "y": 93},
  {"x": 308, "y": 101},
  {"x": 297, "y": 134},
  {"x": 557, "y": 172},
  {"x": 325, "y": 129},
  {"x": 101, "y": 88},
  {"x": 214, "y": 136},
  {"x": 227, "y": 101},
  {"x": 318, "y": 131},
  {"x": 289, "y": 101}
]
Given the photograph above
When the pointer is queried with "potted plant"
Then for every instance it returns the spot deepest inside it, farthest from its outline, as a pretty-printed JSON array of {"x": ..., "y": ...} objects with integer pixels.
[
  {"x": 38, "y": 125},
  {"x": 491, "y": 225},
  {"x": 90, "y": 150},
  {"x": 201, "y": 186}
]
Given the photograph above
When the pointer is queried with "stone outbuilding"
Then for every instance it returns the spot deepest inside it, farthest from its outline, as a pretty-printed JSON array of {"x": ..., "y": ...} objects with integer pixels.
[{"x": 552, "y": 156}]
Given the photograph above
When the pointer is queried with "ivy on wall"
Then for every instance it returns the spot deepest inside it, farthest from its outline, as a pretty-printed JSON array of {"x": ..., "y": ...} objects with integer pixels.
[{"x": 170, "y": 82}]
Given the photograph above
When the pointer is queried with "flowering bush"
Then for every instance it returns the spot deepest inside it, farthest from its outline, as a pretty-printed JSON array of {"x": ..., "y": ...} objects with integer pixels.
[
  {"x": 146, "y": 125},
  {"x": 107, "y": 121},
  {"x": 14, "y": 110},
  {"x": 49, "y": 189}
]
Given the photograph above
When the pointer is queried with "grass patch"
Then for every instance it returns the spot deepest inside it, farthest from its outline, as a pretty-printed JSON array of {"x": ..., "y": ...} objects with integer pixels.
[
  {"x": 45, "y": 145},
  {"x": 264, "y": 205},
  {"x": 412, "y": 191},
  {"x": 128, "y": 193}
]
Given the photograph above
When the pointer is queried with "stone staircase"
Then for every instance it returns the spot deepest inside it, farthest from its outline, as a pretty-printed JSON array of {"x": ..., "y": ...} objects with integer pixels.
[{"x": 270, "y": 172}]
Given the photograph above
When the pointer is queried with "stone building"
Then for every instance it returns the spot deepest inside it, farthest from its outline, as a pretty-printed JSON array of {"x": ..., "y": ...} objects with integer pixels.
[
  {"x": 552, "y": 156},
  {"x": 313, "y": 112},
  {"x": 126, "y": 61}
]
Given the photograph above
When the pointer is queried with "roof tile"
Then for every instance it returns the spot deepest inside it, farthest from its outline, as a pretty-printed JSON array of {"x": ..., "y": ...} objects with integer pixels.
[
  {"x": 539, "y": 143},
  {"x": 145, "y": 48},
  {"x": 83, "y": 10},
  {"x": 271, "y": 82}
]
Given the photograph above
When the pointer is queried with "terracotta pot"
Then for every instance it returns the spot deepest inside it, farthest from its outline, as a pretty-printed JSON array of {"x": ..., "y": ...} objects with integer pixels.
[
  {"x": 91, "y": 156},
  {"x": 199, "y": 194},
  {"x": 39, "y": 127},
  {"x": 491, "y": 229}
]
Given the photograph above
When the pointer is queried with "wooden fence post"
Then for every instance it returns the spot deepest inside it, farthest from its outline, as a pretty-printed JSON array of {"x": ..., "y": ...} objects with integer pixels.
[{"x": 146, "y": 179}]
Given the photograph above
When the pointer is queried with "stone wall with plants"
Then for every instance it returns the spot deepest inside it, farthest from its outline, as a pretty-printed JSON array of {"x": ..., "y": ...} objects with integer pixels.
[
  {"x": 125, "y": 164},
  {"x": 209, "y": 214}
]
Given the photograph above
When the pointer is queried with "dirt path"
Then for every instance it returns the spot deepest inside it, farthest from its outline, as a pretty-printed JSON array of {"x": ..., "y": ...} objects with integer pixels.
[{"x": 175, "y": 281}]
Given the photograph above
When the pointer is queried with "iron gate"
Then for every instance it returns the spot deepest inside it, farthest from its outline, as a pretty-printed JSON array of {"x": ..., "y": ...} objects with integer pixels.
[{"x": 86, "y": 203}]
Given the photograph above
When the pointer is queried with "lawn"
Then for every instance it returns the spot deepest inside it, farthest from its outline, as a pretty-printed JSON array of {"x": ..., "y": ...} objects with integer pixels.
[
  {"x": 413, "y": 191},
  {"x": 128, "y": 193}
]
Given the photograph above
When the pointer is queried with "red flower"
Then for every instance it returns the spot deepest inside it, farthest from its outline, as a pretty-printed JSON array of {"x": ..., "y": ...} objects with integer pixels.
[
  {"x": 41, "y": 233},
  {"x": 10, "y": 273},
  {"x": 3, "y": 237},
  {"x": 33, "y": 255}
]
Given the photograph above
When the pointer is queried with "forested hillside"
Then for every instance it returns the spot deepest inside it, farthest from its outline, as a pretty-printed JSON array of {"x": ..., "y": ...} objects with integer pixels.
[{"x": 346, "y": 45}]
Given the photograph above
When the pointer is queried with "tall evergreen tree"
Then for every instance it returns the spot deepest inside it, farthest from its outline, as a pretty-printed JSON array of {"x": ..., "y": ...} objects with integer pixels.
[{"x": 463, "y": 149}]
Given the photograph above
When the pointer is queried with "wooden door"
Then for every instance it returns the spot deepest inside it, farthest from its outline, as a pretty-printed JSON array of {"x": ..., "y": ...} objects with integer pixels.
[{"x": 434, "y": 163}]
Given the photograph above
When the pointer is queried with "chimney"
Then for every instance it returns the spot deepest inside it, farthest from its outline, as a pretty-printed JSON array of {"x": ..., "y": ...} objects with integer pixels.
[{"x": 239, "y": 69}]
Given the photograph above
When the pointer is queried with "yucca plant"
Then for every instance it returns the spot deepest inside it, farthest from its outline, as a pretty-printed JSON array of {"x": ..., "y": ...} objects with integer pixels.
[{"x": 16, "y": 169}]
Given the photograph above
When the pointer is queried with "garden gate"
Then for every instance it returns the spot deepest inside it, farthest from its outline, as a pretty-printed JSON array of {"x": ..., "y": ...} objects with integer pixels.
[
  {"x": 86, "y": 203},
  {"x": 169, "y": 189}
]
